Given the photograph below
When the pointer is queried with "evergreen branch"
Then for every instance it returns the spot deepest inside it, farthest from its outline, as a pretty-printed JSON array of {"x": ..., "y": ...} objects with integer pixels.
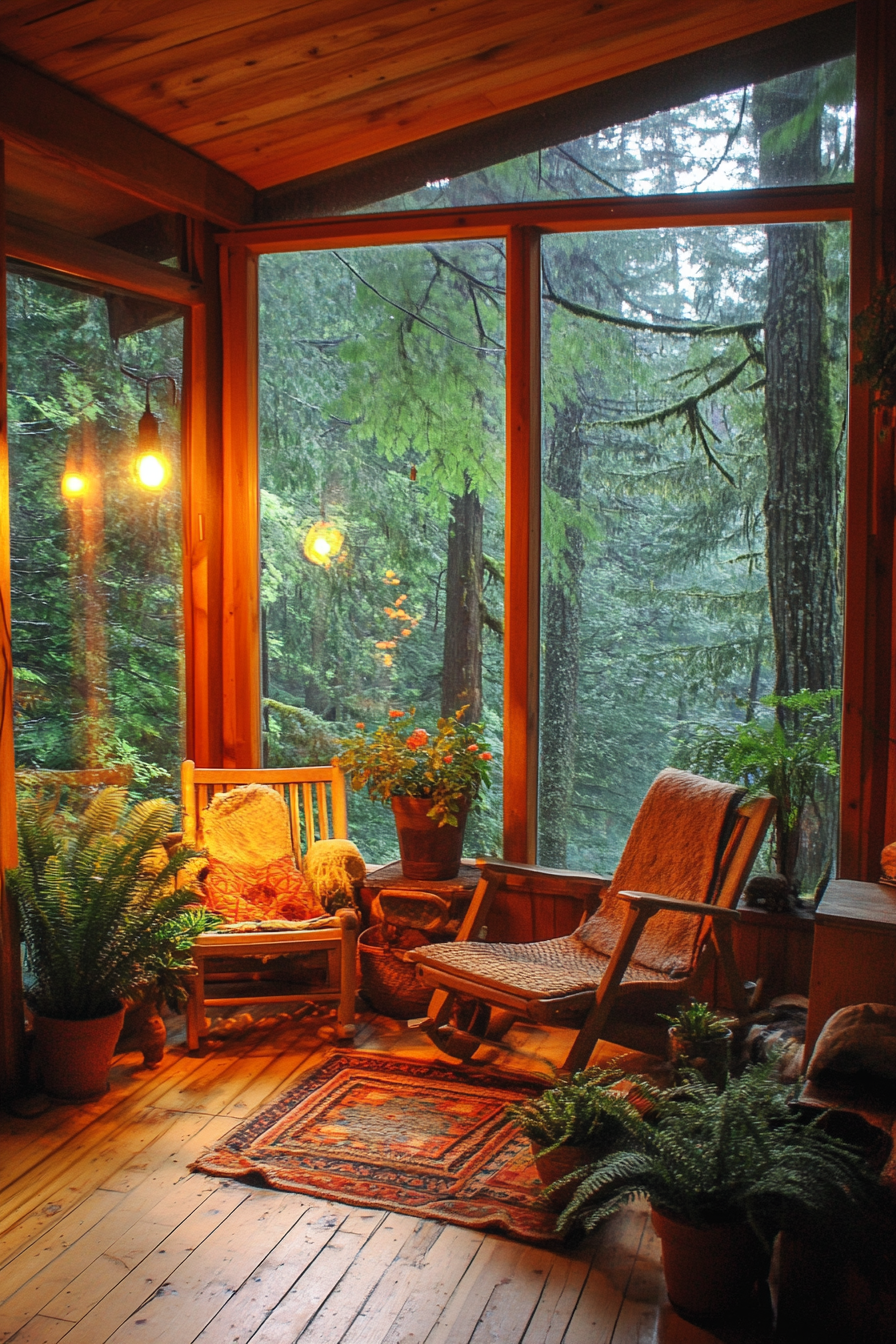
[
  {"x": 493, "y": 567},
  {"x": 416, "y": 317},
  {"x": 658, "y": 328},
  {"x": 494, "y": 623}
]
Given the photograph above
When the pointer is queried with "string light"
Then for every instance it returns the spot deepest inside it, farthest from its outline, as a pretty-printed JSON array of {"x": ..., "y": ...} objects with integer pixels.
[
  {"x": 323, "y": 542},
  {"x": 73, "y": 486}
]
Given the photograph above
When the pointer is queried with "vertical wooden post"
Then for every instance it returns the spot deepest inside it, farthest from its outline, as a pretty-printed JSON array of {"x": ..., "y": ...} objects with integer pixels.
[
  {"x": 11, "y": 1016},
  {"x": 203, "y": 475},
  {"x": 241, "y": 707},
  {"x": 869, "y": 767},
  {"x": 522, "y": 559}
]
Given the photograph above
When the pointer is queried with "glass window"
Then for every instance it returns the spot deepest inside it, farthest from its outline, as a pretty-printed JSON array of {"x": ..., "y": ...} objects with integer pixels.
[
  {"x": 694, "y": 387},
  {"x": 381, "y": 460},
  {"x": 793, "y": 131},
  {"x": 97, "y": 624}
]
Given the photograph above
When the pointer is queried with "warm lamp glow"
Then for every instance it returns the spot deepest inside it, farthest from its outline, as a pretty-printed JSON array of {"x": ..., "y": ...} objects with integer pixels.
[
  {"x": 322, "y": 543},
  {"x": 152, "y": 471},
  {"x": 73, "y": 485}
]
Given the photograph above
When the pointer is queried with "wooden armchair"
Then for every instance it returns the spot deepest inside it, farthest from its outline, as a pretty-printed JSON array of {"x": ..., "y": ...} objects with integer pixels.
[
  {"x": 644, "y": 945},
  {"x": 234, "y": 968}
]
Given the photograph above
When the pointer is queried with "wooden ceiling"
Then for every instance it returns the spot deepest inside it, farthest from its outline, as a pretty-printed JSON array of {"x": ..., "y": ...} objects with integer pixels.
[{"x": 273, "y": 91}]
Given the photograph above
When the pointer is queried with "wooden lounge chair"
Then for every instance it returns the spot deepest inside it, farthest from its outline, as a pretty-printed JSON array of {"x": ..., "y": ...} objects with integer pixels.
[
  {"x": 645, "y": 943},
  {"x": 315, "y": 799}
]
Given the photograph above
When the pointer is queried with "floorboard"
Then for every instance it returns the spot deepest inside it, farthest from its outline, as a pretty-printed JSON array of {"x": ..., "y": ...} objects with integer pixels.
[{"x": 106, "y": 1237}]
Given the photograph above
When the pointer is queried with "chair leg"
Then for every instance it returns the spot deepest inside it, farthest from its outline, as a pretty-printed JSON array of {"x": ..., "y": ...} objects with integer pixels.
[
  {"x": 589, "y": 1035},
  {"x": 194, "y": 1006},
  {"x": 348, "y": 974}
]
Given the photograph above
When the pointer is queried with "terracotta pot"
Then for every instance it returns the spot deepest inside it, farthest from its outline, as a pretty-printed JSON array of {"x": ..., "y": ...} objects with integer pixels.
[
  {"x": 563, "y": 1161},
  {"x": 711, "y": 1056},
  {"x": 711, "y": 1272},
  {"x": 74, "y": 1057},
  {"x": 428, "y": 851}
]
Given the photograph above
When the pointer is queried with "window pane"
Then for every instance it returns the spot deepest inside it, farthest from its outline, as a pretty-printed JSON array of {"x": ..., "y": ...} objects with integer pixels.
[
  {"x": 97, "y": 627},
  {"x": 693, "y": 451},
  {"x": 382, "y": 418},
  {"x": 793, "y": 131}
]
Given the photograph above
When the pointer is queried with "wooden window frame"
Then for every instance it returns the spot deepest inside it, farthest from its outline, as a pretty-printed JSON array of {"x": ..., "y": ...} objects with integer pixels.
[{"x": 521, "y": 227}]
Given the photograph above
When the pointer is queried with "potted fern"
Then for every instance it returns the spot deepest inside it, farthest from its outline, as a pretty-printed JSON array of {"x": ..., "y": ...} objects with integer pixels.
[
  {"x": 724, "y": 1172},
  {"x": 102, "y": 922},
  {"x": 700, "y": 1038},
  {"x": 575, "y": 1123}
]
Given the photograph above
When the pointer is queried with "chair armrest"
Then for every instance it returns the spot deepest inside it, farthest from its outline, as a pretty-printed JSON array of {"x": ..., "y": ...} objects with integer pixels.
[
  {"x": 533, "y": 870},
  {"x": 645, "y": 900}
]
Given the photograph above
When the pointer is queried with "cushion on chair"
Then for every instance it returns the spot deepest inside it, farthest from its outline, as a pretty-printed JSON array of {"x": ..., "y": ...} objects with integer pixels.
[
  {"x": 531, "y": 970},
  {"x": 252, "y": 874},
  {"x": 675, "y": 848}
]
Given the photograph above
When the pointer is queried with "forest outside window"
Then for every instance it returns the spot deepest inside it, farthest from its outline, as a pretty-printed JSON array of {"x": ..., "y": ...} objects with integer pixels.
[
  {"x": 694, "y": 387},
  {"x": 96, "y": 538},
  {"x": 381, "y": 439}
]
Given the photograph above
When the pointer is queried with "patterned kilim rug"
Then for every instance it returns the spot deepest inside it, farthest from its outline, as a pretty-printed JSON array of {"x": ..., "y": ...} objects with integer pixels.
[{"x": 425, "y": 1139}]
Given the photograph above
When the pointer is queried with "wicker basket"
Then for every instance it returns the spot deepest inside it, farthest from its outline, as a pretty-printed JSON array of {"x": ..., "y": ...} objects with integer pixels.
[{"x": 388, "y": 981}]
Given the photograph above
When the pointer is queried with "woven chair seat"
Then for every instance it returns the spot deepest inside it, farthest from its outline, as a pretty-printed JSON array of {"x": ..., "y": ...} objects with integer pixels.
[{"x": 557, "y": 967}]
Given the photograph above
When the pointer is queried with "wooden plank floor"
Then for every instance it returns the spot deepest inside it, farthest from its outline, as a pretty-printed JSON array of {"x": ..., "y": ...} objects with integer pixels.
[{"x": 105, "y": 1235}]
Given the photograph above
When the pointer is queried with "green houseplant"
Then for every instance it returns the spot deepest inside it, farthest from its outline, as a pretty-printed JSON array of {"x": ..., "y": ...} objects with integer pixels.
[
  {"x": 431, "y": 781},
  {"x": 574, "y": 1123},
  {"x": 787, "y": 753},
  {"x": 724, "y": 1172},
  {"x": 700, "y": 1038},
  {"x": 102, "y": 922}
]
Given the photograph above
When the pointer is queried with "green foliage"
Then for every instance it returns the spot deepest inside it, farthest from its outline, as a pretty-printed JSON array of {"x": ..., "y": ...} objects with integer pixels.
[
  {"x": 787, "y": 753},
  {"x": 582, "y": 1111},
  {"x": 696, "y": 1021},
  {"x": 100, "y": 915},
  {"x": 715, "y": 1157},
  {"x": 399, "y": 758}
]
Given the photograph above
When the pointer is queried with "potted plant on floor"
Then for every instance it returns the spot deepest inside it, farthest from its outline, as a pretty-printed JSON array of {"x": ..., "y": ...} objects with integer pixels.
[
  {"x": 102, "y": 922},
  {"x": 575, "y": 1123},
  {"x": 700, "y": 1038},
  {"x": 431, "y": 782},
  {"x": 724, "y": 1172}
]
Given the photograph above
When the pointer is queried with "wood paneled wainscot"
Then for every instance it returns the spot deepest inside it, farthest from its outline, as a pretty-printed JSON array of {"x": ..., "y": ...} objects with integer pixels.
[{"x": 855, "y": 951}]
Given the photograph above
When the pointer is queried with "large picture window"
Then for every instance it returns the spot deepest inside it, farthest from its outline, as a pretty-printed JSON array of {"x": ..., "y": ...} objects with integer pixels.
[{"x": 96, "y": 539}]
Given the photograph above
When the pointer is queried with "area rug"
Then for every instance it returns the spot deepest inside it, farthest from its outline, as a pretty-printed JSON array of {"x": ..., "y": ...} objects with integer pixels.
[{"x": 430, "y": 1140}]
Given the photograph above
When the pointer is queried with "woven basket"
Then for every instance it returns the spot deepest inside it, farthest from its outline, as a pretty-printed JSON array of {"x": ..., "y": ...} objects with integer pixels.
[{"x": 388, "y": 981}]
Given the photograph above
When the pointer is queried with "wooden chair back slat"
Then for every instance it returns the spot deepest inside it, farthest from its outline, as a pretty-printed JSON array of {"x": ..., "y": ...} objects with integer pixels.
[{"x": 322, "y": 790}]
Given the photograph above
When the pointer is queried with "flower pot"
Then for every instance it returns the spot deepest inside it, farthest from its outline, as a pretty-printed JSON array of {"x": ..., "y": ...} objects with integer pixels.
[
  {"x": 710, "y": 1056},
  {"x": 562, "y": 1161},
  {"x": 711, "y": 1272},
  {"x": 428, "y": 851},
  {"x": 74, "y": 1057}
]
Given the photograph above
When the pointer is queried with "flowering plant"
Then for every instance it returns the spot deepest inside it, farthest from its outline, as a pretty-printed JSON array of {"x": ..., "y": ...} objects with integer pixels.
[{"x": 400, "y": 758}]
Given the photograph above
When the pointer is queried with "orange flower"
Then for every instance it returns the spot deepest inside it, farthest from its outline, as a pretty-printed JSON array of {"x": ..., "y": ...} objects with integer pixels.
[
  {"x": 396, "y": 713},
  {"x": 360, "y": 725},
  {"x": 387, "y": 660},
  {"x": 472, "y": 747},
  {"x": 448, "y": 759},
  {"x": 418, "y": 738},
  {"x": 405, "y": 632},
  {"x": 485, "y": 756}
]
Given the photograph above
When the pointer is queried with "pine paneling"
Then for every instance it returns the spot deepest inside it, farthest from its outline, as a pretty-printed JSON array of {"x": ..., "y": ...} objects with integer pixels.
[{"x": 295, "y": 89}]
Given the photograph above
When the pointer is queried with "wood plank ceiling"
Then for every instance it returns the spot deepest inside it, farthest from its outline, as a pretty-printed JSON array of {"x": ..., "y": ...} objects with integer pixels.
[{"x": 274, "y": 91}]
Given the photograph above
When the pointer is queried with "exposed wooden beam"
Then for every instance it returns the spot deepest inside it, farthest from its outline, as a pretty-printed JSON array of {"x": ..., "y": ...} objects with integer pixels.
[
  {"x": 764, "y": 205},
  {"x": 45, "y": 245},
  {"x": 55, "y": 120},
  {"x": 761, "y": 56}
]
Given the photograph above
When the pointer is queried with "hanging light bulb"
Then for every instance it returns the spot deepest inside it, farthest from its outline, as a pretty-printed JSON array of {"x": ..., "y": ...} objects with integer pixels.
[
  {"x": 151, "y": 465},
  {"x": 323, "y": 542}
]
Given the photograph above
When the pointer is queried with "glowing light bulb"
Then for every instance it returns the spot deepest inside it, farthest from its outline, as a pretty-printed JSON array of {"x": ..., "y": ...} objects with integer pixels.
[
  {"x": 322, "y": 544},
  {"x": 73, "y": 485},
  {"x": 151, "y": 471}
]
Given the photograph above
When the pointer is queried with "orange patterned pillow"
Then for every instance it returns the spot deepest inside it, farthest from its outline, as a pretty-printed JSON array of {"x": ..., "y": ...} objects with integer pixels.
[{"x": 239, "y": 891}]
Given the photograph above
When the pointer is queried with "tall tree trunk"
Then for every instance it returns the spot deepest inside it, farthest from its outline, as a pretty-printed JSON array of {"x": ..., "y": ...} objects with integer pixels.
[
  {"x": 462, "y": 661},
  {"x": 561, "y": 619},
  {"x": 800, "y": 504}
]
